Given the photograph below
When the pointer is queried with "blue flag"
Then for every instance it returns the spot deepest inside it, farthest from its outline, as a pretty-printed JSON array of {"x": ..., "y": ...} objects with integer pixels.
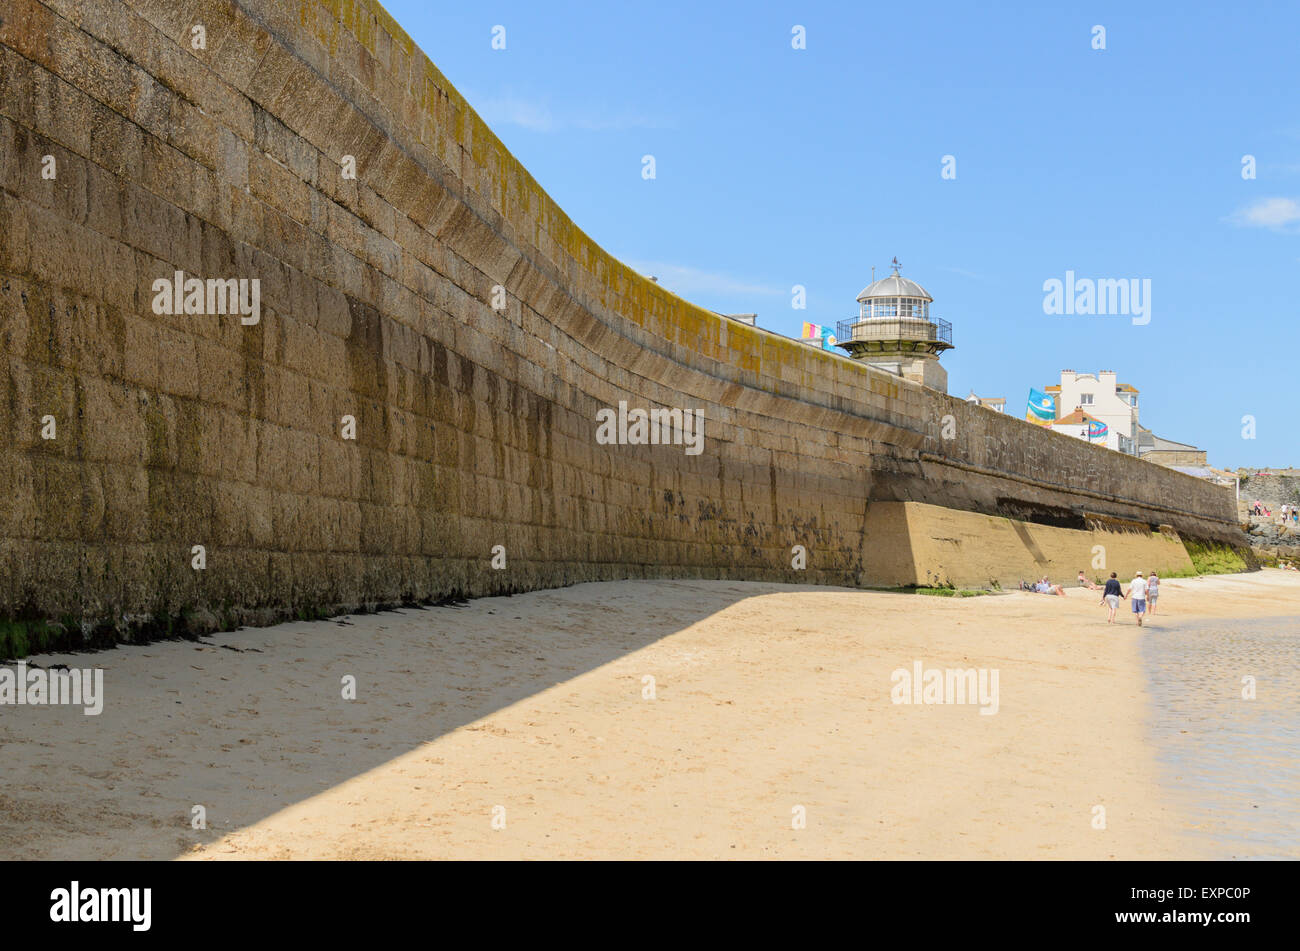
[{"x": 1042, "y": 408}]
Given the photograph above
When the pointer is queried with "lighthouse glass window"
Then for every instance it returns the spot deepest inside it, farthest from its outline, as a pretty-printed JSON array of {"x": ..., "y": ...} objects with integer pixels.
[{"x": 912, "y": 307}]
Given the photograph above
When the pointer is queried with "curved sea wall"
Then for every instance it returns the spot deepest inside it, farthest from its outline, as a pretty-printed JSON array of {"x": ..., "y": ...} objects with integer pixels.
[{"x": 443, "y": 303}]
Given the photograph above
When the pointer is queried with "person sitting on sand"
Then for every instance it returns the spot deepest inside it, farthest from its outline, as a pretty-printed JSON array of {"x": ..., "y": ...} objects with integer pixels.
[
  {"x": 1153, "y": 592},
  {"x": 1046, "y": 587},
  {"x": 1086, "y": 582},
  {"x": 1137, "y": 590},
  {"x": 1111, "y": 596}
]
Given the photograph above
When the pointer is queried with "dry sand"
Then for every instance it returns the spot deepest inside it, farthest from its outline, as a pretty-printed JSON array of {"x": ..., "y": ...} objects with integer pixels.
[{"x": 768, "y": 697}]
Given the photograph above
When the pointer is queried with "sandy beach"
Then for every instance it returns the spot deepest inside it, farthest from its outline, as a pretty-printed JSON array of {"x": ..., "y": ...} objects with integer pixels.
[{"x": 521, "y": 728}]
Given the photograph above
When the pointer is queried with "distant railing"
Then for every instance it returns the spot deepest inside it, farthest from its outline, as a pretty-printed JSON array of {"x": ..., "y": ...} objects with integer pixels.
[{"x": 894, "y": 328}]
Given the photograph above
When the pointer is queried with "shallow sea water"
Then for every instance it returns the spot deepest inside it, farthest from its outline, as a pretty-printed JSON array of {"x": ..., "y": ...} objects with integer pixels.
[{"x": 1233, "y": 763}]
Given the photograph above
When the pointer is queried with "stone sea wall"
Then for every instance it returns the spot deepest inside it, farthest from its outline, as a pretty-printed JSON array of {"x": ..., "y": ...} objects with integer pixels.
[{"x": 441, "y": 301}]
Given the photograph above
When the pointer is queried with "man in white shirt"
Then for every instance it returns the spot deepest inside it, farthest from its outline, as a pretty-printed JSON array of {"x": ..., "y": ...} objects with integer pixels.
[{"x": 1137, "y": 590}]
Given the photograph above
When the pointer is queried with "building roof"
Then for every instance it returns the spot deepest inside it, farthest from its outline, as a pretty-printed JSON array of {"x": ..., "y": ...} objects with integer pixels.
[
  {"x": 895, "y": 285},
  {"x": 1077, "y": 417},
  {"x": 1079, "y": 377},
  {"x": 1055, "y": 388},
  {"x": 1149, "y": 442}
]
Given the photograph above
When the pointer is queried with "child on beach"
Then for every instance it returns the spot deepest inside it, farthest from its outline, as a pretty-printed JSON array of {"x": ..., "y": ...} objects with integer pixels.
[
  {"x": 1111, "y": 595},
  {"x": 1153, "y": 592},
  {"x": 1137, "y": 590}
]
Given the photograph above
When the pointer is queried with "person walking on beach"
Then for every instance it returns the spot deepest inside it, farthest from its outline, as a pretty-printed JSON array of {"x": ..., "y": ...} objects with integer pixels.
[
  {"x": 1111, "y": 596},
  {"x": 1137, "y": 590},
  {"x": 1153, "y": 592}
]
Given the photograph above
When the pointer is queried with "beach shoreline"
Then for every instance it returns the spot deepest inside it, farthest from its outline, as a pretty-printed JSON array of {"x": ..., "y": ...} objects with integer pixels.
[{"x": 524, "y": 727}]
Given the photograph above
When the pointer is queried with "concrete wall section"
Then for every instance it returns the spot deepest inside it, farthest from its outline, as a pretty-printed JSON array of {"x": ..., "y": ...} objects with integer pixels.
[{"x": 917, "y": 544}]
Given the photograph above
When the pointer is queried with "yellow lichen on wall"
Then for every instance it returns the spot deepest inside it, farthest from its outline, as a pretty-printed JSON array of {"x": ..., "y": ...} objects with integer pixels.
[{"x": 684, "y": 322}]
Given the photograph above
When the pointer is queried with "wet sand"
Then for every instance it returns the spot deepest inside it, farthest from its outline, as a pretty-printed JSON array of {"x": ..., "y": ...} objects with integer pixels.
[{"x": 767, "y": 698}]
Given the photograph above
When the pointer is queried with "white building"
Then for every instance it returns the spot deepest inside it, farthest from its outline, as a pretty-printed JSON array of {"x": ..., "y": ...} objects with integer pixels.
[
  {"x": 1080, "y": 425},
  {"x": 1102, "y": 398},
  {"x": 996, "y": 403}
]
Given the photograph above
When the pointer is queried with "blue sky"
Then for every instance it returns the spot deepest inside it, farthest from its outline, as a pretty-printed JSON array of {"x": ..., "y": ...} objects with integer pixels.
[{"x": 776, "y": 167}]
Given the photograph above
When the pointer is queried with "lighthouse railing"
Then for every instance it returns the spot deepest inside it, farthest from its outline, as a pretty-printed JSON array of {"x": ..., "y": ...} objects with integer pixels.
[{"x": 894, "y": 328}]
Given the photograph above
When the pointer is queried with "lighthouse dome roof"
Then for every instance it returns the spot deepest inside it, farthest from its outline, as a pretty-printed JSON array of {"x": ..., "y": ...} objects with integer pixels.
[{"x": 895, "y": 285}]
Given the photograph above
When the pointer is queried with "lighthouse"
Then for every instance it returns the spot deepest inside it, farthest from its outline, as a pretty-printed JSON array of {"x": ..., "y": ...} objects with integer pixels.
[{"x": 895, "y": 332}]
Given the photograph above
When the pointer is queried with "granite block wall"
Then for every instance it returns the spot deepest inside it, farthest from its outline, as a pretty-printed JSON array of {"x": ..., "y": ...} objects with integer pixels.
[{"x": 440, "y": 300}]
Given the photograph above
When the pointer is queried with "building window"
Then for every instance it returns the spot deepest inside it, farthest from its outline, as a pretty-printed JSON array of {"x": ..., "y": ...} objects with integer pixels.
[{"x": 1085, "y": 399}]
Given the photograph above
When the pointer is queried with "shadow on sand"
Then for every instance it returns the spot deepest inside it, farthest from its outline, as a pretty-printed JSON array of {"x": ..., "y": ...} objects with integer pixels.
[{"x": 248, "y": 723}]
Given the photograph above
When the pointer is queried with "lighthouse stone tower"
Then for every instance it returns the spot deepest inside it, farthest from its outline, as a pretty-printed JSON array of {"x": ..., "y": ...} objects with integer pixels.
[{"x": 895, "y": 332}]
